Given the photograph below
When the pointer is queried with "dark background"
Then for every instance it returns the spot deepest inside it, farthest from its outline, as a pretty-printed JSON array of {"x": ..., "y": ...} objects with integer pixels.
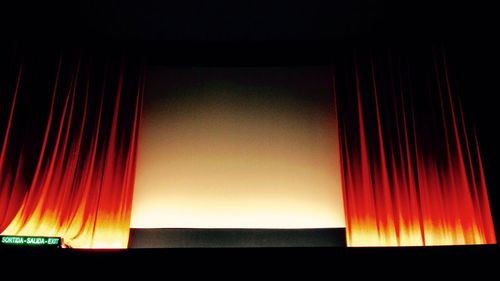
[
  {"x": 244, "y": 33},
  {"x": 246, "y": 20}
]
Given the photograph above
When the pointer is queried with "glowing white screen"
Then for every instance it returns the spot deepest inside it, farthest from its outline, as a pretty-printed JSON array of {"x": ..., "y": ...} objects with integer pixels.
[{"x": 238, "y": 148}]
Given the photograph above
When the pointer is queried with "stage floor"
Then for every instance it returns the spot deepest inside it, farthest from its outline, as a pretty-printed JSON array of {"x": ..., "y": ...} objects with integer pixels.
[{"x": 318, "y": 263}]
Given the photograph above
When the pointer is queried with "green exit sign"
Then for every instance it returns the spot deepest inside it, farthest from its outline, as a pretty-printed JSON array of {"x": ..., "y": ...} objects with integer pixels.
[{"x": 30, "y": 241}]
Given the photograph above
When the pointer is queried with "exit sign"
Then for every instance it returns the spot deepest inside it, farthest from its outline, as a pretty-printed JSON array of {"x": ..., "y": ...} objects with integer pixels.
[{"x": 30, "y": 241}]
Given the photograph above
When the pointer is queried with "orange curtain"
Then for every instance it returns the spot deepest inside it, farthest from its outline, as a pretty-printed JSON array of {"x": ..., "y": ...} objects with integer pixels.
[
  {"x": 412, "y": 170},
  {"x": 70, "y": 126}
]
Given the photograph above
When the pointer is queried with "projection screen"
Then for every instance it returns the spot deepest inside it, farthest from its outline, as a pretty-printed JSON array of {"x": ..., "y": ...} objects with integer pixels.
[{"x": 234, "y": 147}]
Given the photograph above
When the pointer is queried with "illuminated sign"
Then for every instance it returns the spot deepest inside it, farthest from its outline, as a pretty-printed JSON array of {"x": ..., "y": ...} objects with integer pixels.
[{"x": 30, "y": 241}]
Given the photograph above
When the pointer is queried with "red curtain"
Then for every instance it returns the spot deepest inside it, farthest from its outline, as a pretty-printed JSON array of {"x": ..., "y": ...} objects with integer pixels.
[
  {"x": 68, "y": 147},
  {"x": 412, "y": 169}
]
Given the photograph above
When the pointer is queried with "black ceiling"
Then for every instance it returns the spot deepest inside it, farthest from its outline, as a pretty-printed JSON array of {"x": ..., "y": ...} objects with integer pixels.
[{"x": 216, "y": 20}]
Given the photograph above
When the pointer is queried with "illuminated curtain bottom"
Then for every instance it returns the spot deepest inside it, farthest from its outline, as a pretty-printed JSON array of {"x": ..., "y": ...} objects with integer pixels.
[
  {"x": 82, "y": 182},
  {"x": 410, "y": 177}
]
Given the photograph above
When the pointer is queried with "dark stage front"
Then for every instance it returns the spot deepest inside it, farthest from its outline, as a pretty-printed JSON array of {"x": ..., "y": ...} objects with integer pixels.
[{"x": 235, "y": 238}]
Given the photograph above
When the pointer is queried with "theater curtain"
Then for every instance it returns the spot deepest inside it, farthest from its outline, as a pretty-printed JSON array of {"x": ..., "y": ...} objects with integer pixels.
[
  {"x": 412, "y": 172},
  {"x": 69, "y": 132},
  {"x": 412, "y": 169}
]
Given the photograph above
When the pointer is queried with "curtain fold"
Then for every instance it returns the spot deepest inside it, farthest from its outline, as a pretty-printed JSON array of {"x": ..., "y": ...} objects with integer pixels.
[
  {"x": 411, "y": 166},
  {"x": 69, "y": 147}
]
